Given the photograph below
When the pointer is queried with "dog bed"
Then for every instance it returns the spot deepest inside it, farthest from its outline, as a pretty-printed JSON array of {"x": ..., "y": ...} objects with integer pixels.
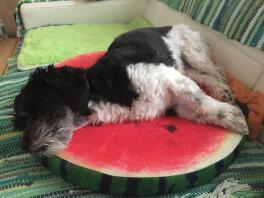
[
  {"x": 48, "y": 45},
  {"x": 165, "y": 155}
]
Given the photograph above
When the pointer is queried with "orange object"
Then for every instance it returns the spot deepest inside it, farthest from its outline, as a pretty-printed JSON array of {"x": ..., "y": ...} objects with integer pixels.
[{"x": 254, "y": 100}]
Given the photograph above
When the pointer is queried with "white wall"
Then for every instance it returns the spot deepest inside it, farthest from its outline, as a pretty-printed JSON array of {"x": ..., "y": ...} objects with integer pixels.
[{"x": 68, "y": 12}]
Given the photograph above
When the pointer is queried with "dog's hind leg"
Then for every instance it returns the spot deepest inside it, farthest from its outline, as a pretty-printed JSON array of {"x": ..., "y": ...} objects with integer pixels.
[
  {"x": 198, "y": 65},
  {"x": 196, "y": 53},
  {"x": 193, "y": 104},
  {"x": 213, "y": 87}
]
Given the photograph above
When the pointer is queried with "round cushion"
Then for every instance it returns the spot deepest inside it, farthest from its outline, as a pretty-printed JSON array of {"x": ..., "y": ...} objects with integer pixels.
[{"x": 165, "y": 155}]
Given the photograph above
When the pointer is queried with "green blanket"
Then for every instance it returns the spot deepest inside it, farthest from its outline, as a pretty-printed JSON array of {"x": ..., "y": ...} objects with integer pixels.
[
  {"x": 22, "y": 175},
  {"x": 237, "y": 19},
  {"x": 48, "y": 45}
]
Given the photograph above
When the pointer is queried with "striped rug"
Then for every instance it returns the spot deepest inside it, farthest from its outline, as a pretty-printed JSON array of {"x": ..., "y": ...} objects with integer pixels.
[
  {"x": 242, "y": 20},
  {"x": 22, "y": 175}
]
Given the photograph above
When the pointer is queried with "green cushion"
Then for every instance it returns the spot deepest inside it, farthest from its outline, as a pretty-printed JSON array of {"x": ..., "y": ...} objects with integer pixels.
[{"x": 49, "y": 45}]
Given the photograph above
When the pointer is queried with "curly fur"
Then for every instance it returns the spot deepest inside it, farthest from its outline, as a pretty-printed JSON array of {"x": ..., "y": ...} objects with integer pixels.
[{"x": 144, "y": 73}]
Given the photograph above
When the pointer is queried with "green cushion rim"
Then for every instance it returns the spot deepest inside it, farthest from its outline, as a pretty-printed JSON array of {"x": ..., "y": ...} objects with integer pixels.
[{"x": 147, "y": 186}]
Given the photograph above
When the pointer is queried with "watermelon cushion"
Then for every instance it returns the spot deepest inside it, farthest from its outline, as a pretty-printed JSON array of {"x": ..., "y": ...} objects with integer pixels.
[{"x": 165, "y": 155}]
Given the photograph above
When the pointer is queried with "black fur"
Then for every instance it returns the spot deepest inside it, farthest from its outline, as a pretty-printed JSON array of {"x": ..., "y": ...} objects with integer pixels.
[
  {"x": 109, "y": 82},
  {"x": 51, "y": 92},
  {"x": 50, "y": 89},
  {"x": 141, "y": 45},
  {"x": 47, "y": 99},
  {"x": 108, "y": 78}
]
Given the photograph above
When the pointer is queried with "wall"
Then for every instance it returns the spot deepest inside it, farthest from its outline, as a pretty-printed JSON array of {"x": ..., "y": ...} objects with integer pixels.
[
  {"x": 7, "y": 8},
  {"x": 2, "y": 28}
]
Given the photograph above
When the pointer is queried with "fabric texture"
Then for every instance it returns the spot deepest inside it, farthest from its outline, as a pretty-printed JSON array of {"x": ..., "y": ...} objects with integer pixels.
[
  {"x": 48, "y": 45},
  {"x": 254, "y": 101},
  {"x": 242, "y": 20},
  {"x": 23, "y": 175}
]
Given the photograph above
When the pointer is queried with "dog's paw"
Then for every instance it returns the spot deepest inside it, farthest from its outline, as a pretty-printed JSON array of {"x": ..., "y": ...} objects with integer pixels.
[
  {"x": 228, "y": 96},
  {"x": 222, "y": 93},
  {"x": 233, "y": 119}
]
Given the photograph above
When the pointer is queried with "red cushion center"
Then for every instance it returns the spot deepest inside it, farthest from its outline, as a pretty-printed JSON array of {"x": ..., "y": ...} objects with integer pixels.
[{"x": 167, "y": 143}]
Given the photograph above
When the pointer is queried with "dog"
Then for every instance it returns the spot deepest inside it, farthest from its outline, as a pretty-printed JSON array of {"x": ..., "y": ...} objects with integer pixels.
[{"x": 144, "y": 73}]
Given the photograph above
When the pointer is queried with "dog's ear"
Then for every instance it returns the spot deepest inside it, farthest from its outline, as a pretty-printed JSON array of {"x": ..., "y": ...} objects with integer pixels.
[
  {"x": 53, "y": 78},
  {"x": 72, "y": 86},
  {"x": 21, "y": 114},
  {"x": 18, "y": 105}
]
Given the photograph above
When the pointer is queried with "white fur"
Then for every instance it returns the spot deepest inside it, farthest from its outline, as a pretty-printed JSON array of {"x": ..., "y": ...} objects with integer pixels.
[
  {"x": 45, "y": 136},
  {"x": 160, "y": 87},
  {"x": 153, "y": 98},
  {"x": 175, "y": 43}
]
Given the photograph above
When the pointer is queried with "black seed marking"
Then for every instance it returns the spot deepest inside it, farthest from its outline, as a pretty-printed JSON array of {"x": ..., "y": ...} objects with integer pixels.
[
  {"x": 192, "y": 178},
  {"x": 162, "y": 185},
  {"x": 236, "y": 151},
  {"x": 171, "y": 189},
  {"x": 219, "y": 166},
  {"x": 132, "y": 184},
  {"x": 105, "y": 184},
  {"x": 171, "y": 128},
  {"x": 171, "y": 112},
  {"x": 44, "y": 162},
  {"x": 63, "y": 169}
]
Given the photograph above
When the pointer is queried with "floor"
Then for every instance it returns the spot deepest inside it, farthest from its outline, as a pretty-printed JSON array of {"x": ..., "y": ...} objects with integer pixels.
[{"x": 7, "y": 47}]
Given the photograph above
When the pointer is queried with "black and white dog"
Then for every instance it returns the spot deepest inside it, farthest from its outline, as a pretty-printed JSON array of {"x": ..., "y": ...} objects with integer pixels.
[{"x": 144, "y": 73}]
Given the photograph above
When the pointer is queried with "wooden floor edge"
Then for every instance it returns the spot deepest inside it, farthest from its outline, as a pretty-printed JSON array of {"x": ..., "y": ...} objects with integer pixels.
[{"x": 12, "y": 51}]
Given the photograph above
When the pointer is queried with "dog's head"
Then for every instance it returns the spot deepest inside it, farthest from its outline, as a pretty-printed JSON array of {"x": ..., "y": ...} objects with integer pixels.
[{"x": 50, "y": 106}]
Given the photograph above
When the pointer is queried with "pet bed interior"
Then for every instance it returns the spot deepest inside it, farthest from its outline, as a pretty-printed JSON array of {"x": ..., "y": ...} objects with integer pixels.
[{"x": 168, "y": 151}]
